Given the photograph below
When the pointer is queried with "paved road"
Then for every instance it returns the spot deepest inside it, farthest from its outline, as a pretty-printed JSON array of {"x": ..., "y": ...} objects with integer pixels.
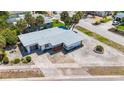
[
  {"x": 102, "y": 29},
  {"x": 73, "y": 78}
]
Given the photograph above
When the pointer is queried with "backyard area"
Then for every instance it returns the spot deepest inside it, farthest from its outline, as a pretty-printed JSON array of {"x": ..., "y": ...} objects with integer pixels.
[{"x": 57, "y": 23}]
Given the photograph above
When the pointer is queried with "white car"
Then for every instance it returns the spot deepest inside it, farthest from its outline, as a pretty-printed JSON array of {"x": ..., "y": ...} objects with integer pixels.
[{"x": 115, "y": 23}]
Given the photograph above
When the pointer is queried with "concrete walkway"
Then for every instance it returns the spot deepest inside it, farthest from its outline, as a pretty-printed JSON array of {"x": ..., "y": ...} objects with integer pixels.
[{"x": 102, "y": 29}]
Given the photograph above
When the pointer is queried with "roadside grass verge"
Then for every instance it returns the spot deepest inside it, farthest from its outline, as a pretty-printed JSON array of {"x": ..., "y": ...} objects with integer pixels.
[
  {"x": 120, "y": 27},
  {"x": 101, "y": 39},
  {"x": 106, "y": 70}
]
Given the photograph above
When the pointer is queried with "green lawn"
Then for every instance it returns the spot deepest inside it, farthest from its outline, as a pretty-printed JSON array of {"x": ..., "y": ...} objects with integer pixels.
[
  {"x": 119, "y": 27},
  {"x": 101, "y": 38},
  {"x": 56, "y": 24}
]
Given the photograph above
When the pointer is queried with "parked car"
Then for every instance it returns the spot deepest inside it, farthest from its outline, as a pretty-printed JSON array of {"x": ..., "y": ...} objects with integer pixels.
[{"x": 115, "y": 23}]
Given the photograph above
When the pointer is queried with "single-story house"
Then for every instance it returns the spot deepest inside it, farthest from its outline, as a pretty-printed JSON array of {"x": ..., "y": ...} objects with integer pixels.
[
  {"x": 53, "y": 38},
  {"x": 14, "y": 18}
]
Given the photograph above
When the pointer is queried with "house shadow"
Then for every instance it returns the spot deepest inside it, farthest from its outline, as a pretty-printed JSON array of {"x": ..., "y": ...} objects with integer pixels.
[
  {"x": 22, "y": 50},
  {"x": 10, "y": 47}
]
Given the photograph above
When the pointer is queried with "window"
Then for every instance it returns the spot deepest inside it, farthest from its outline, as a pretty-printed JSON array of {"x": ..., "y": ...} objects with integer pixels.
[{"x": 46, "y": 45}]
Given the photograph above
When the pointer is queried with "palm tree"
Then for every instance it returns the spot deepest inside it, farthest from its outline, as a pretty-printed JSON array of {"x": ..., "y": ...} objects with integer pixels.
[
  {"x": 64, "y": 15},
  {"x": 21, "y": 25},
  {"x": 39, "y": 20},
  {"x": 80, "y": 13},
  {"x": 28, "y": 18}
]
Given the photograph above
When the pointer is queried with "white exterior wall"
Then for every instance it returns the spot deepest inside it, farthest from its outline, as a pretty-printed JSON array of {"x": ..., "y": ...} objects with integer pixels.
[
  {"x": 28, "y": 49},
  {"x": 72, "y": 45}
]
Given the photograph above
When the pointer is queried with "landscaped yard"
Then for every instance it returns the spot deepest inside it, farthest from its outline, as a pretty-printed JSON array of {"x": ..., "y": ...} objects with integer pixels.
[
  {"x": 57, "y": 23},
  {"x": 101, "y": 38}
]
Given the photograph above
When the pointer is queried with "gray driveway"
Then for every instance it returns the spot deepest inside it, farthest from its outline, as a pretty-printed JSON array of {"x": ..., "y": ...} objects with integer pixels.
[{"x": 102, "y": 29}]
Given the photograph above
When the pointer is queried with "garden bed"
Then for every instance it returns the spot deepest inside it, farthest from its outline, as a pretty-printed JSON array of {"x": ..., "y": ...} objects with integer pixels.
[
  {"x": 106, "y": 70},
  {"x": 28, "y": 73},
  {"x": 114, "y": 30}
]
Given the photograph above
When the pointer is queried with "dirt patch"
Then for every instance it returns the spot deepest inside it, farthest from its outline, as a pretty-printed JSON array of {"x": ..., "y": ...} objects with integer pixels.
[
  {"x": 106, "y": 70},
  {"x": 60, "y": 58},
  {"x": 73, "y": 71},
  {"x": 21, "y": 73}
]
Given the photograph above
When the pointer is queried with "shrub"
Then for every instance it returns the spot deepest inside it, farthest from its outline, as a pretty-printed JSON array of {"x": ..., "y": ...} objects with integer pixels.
[
  {"x": 17, "y": 60},
  {"x": 28, "y": 58},
  {"x": 5, "y": 60},
  {"x": 22, "y": 59},
  {"x": 25, "y": 61},
  {"x": 96, "y": 23},
  {"x": 99, "y": 48}
]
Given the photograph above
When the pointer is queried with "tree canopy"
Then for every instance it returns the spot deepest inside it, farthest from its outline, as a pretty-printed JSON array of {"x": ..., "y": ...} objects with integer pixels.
[
  {"x": 64, "y": 15},
  {"x": 10, "y": 36},
  {"x": 2, "y": 42},
  {"x": 21, "y": 25},
  {"x": 39, "y": 20}
]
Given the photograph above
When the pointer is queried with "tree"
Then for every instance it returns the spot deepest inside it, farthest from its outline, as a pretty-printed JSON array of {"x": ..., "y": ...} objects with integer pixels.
[
  {"x": 21, "y": 25},
  {"x": 75, "y": 20},
  {"x": 65, "y": 18},
  {"x": 30, "y": 19},
  {"x": 39, "y": 20},
  {"x": 2, "y": 42},
  {"x": 4, "y": 15},
  {"x": 80, "y": 13},
  {"x": 10, "y": 36},
  {"x": 41, "y": 12},
  {"x": 64, "y": 15},
  {"x": 68, "y": 22}
]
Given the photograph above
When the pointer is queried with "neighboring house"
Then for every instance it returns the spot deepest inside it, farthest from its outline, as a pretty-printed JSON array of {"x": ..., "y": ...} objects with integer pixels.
[
  {"x": 117, "y": 19},
  {"x": 15, "y": 16},
  {"x": 53, "y": 38},
  {"x": 99, "y": 13}
]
